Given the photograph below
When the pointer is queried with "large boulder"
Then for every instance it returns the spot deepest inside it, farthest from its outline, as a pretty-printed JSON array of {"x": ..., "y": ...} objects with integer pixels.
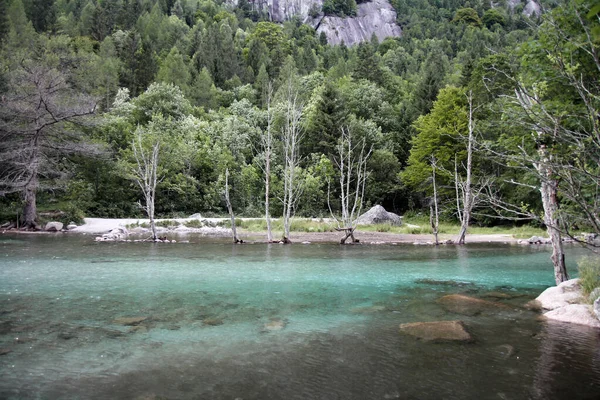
[
  {"x": 438, "y": 331},
  {"x": 466, "y": 305},
  {"x": 378, "y": 215},
  {"x": 53, "y": 226},
  {"x": 568, "y": 292}
]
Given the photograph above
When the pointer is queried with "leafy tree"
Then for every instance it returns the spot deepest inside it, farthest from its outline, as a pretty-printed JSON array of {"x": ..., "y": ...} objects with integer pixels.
[{"x": 467, "y": 16}]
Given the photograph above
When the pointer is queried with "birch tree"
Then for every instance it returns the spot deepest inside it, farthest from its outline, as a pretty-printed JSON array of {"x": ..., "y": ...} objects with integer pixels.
[
  {"x": 145, "y": 175},
  {"x": 267, "y": 143},
  {"x": 291, "y": 136}
]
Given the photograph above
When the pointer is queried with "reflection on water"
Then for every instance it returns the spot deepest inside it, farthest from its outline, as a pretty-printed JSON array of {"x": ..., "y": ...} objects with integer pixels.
[{"x": 211, "y": 320}]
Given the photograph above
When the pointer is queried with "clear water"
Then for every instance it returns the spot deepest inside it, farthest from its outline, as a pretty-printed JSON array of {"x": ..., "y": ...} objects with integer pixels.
[{"x": 278, "y": 322}]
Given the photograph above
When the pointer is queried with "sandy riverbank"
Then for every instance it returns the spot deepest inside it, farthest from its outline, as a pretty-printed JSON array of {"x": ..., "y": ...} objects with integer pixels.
[{"x": 100, "y": 226}]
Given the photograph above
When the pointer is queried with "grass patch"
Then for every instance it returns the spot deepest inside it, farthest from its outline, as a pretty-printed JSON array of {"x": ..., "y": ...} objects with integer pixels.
[
  {"x": 166, "y": 223},
  {"x": 194, "y": 223},
  {"x": 589, "y": 274}
]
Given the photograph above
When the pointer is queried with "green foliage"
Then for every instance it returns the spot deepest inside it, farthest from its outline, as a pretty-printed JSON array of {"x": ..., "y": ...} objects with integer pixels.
[
  {"x": 467, "y": 16},
  {"x": 589, "y": 274},
  {"x": 340, "y": 8}
]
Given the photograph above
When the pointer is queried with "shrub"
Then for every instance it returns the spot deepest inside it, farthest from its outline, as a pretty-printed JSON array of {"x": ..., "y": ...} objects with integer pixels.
[{"x": 589, "y": 274}]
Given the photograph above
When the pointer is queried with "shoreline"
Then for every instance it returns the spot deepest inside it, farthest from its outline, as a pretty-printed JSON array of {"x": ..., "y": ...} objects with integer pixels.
[{"x": 100, "y": 226}]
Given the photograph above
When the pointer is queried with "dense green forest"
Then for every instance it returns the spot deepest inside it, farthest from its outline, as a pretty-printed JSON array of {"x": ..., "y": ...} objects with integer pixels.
[{"x": 91, "y": 87}]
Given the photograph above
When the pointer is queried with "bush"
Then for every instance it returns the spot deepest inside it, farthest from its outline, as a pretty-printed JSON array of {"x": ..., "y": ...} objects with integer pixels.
[{"x": 589, "y": 274}]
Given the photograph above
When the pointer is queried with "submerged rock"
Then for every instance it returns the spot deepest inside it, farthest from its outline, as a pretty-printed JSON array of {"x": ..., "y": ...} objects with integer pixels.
[
  {"x": 129, "y": 321},
  {"x": 212, "y": 321},
  {"x": 275, "y": 324},
  {"x": 439, "y": 331},
  {"x": 367, "y": 309},
  {"x": 466, "y": 305}
]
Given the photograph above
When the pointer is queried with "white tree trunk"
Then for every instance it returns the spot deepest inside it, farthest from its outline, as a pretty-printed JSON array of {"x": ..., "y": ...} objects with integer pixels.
[
  {"x": 146, "y": 176},
  {"x": 291, "y": 137},
  {"x": 434, "y": 218},
  {"x": 230, "y": 208},
  {"x": 549, "y": 191},
  {"x": 467, "y": 191}
]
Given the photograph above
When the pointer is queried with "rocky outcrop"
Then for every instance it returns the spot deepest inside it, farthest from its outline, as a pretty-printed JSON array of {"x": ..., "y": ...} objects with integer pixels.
[
  {"x": 376, "y": 17},
  {"x": 378, "y": 215},
  {"x": 438, "y": 331}
]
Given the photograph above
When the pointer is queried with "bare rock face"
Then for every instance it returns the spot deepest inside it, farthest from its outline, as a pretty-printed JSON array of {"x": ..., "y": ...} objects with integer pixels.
[
  {"x": 375, "y": 17},
  {"x": 439, "y": 331}
]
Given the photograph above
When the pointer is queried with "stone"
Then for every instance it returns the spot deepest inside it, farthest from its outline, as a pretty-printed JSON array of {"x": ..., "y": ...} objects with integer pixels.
[
  {"x": 275, "y": 324},
  {"x": 138, "y": 329},
  {"x": 212, "y": 321},
  {"x": 596, "y": 307},
  {"x": 71, "y": 226},
  {"x": 378, "y": 215},
  {"x": 438, "y": 331},
  {"x": 53, "y": 226},
  {"x": 368, "y": 309},
  {"x": 580, "y": 314},
  {"x": 195, "y": 216},
  {"x": 466, "y": 305},
  {"x": 129, "y": 321},
  {"x": 554, "y": 297},
  {"x": 119, "y": 233},
  {"x": 4, "y": 351},
  {"x": 504, "y": 351}
]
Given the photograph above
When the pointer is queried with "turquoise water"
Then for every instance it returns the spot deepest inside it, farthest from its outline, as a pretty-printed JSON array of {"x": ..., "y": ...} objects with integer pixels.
[{"x": 276, "y": 322}]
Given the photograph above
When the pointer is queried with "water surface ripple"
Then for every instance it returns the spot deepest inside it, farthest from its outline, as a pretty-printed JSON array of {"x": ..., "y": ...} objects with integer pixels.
[{"x": 209, "y": 320}]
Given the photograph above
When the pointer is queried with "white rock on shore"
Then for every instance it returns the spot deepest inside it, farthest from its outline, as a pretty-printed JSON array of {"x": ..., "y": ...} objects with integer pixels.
[{"x": 564, "y": 303}]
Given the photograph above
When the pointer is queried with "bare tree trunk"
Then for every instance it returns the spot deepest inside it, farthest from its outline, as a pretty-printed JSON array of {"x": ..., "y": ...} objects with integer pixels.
[
  {"x": 268, "y": 149},
  {"x": 467, "y": 192},
  {"x": 145, "y": 174},
  {"x": 549, "y": 191},
  {"x": 291, "y": 142},
  {"x": 352, "y": 165},
  {"x": 433, "y": 209},
  {"x": 230, "y": 209},
  {"x": 30, "y": 206}
]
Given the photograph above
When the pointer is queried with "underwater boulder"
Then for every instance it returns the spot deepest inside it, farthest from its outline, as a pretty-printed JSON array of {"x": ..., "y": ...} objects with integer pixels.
[
  {"x": 466, "y": 305},
  {"x": 437, "y": 331}
]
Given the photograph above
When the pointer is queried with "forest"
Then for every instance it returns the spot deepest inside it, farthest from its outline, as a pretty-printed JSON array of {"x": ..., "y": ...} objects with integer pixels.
[{"x": 104, "y": 100}]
